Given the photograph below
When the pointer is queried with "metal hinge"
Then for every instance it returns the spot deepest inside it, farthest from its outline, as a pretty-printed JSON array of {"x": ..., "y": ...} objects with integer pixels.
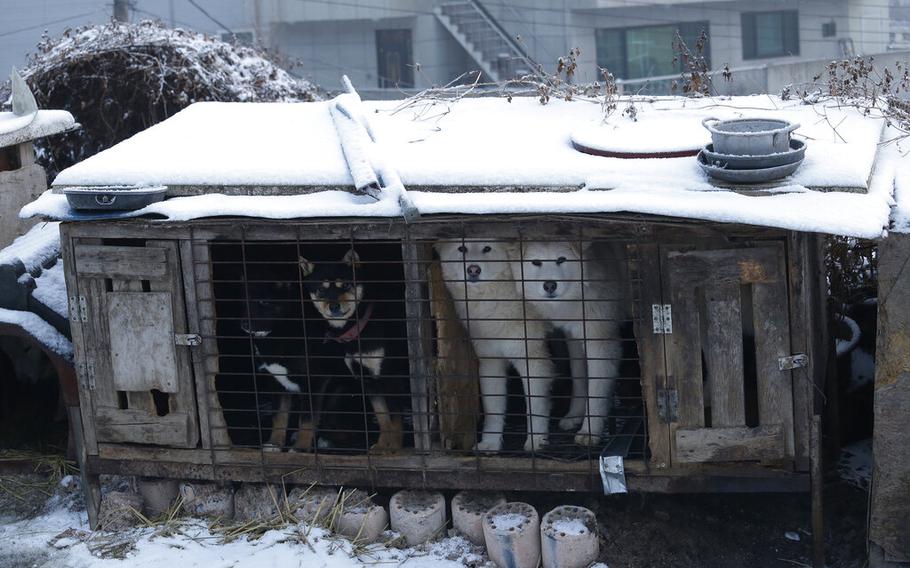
[
  {"x": 662, "y": 318},
  {"x": 78, "y": 309},
  {"x": 190, "y": 339},
  {"x": 90, "y": 374},
  {"x": 797, "y": 361},
  {"x": 667, "y": 405}
]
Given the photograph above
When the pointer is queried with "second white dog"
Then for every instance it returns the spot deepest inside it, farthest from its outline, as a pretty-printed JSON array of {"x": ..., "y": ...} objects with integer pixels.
[
  {"x": 479, "y": 276},
  {"x": 586, "y": 300}
]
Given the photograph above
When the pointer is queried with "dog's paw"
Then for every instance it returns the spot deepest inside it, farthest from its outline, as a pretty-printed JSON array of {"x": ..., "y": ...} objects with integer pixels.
[
  {"x": 489, "y": 445},
  {"x": 270, "y": 448},
  {"x": 536, "y": 442},
  {"x": 586, "y": 439},
  {"x": 570, "y": 422}
]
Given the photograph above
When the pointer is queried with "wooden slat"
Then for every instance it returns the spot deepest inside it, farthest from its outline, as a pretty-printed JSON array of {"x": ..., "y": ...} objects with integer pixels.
[
  {"x": 746, "y": 266},
  {"x": 724, "y": 354},
  {"x": 416, "y": 259},
  {"x": 646, "y": 290},
  {"x": 184, "y": 399},
  {"x": 730, "y": 444},
  {"x": 772, "y": 341},
  {"x": 81, "y": 334},
  {"x": 136, "y": 398},
  {"x": 128, "y": 263},
  {"x": 142, "y": 341},
  {"x": 801, "y": 271},
  {"x": 684, "y": 346},
  {"x": 117, "y": 425}
]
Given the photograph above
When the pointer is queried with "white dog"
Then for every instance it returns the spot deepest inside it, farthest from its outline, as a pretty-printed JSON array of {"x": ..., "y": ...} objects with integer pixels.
[
  {"x": 586, "y": 300},
  {"x": 479, "y": 276}
]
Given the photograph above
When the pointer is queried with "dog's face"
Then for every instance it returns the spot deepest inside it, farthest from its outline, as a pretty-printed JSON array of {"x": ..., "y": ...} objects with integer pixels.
[
  {"x": 475, "y": 261},
  {"x": 269, "y": 306},
  {"x": 333, "y": 287},
  {"x": 550, "y": 270}
]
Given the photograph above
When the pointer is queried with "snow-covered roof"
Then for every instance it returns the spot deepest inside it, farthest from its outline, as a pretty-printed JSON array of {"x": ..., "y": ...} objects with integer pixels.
[
  {"x": 16, "y": 129},
  {"x": 498, "y": 149}
]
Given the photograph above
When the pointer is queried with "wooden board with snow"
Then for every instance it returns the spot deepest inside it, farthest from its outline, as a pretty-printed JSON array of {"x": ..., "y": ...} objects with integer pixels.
[{"x": 511, "y": 155}]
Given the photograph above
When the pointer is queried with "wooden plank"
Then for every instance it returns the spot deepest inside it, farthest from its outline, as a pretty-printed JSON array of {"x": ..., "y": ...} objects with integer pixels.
[
  {"x": 127, "y": 425},
  {"x": 724, "y": 354},
  {"x": 801, "y": 272},
  {"x": 644, "y": 270},
  {"x": 184, "y": 400},
  {"x": 772, "y": 341},
  {"x": 456, "y": 373},
  {"x": 81, "y": 335},
  {"x": 136, "y": 398},
  {"x": 730, "y": 444},
  {"x": 416, "y": 258},
  {"x": 128, "y": 263},
  {"x": 740, "y": 266},
  {"x": 142, "y": 341}
]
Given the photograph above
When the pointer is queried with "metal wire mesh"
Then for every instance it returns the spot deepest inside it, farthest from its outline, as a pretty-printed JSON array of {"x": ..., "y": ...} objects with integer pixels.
[{"x": 460, "y": 347}]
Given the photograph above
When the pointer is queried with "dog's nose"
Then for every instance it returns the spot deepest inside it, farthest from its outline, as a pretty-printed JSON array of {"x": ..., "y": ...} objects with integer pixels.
[
  {"x": 549, "y": 286},
  {"x": 473, "y": 271},
  {"x": 335, "y": 307}
]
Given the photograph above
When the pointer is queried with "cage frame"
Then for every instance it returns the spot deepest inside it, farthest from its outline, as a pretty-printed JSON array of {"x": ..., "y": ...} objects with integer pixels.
[{"x": 423, "y": 467}]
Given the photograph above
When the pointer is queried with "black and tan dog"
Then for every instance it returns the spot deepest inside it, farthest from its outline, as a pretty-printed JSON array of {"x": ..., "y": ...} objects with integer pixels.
[{"x": 364, "y": 316}]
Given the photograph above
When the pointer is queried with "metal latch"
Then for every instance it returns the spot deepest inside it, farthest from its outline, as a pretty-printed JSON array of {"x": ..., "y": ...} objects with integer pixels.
[
  {"x": 662, "y": 318},
  {"x": 190, "y": 339},
  {"x": 667, "y": 405},
  {"x": 797, "y": 361}
]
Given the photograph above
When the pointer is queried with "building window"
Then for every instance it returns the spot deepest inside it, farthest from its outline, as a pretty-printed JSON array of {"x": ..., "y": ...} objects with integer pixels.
[
  {"x": 829, "y": 29},
  {"x": 646, "y": 51},
  {"x": 395, "y": 65},
  {"x": 770, "y": 34}
]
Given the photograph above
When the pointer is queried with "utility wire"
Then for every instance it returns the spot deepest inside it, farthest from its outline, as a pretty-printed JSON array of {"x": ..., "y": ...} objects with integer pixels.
[{"x": 209, "y": 16}]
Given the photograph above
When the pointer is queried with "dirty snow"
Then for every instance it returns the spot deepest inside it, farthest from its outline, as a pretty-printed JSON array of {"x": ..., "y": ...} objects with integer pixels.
[
  {"x": 50, "y": 289},
  {"x": 35, "y": 248},
  {"x": 42, "y": 331},
  {"x": 506, "y": 521},
  {"x": 572, "y": 527},
  {"x": 491, "y": 142},
  {"x": 61, "y": 539}
]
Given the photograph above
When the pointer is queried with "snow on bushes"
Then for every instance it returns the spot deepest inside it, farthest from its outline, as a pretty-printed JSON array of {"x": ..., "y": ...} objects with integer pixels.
[{"x": 118, "y": 79}]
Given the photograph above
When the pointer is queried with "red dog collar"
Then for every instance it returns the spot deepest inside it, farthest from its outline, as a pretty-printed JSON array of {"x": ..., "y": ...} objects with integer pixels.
[{"x": 355, "y": 330}]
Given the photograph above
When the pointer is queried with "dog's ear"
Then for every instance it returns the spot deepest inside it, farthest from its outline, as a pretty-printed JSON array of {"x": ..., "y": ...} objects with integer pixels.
[
  {"x": 351, "y": 257},
  {"x": 306, "y": 267}
]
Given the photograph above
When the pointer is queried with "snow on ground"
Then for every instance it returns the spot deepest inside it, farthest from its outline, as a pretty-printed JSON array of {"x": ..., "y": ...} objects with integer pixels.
[
  {"x": 60, "y": 538},
  {"x": 855, "y": 465},
  {"x": 491, "y": 142}
]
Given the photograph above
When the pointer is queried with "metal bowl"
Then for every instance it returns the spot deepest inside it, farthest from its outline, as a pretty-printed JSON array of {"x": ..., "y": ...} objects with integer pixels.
[
  {"x": 755, "y": 176},
  {"x": 750, "y": 136},
  {"x": 796, "y": 153},
  {"x": 113, "y": 198}
]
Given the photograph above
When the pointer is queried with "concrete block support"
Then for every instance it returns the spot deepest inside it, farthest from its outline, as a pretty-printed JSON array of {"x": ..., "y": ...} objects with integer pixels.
[
  {"x": 512, "y": 535},
  {"x": 418, "y": 515},
  {"x": 468, "y": 510},
  {"x": 568, "y": 538}
]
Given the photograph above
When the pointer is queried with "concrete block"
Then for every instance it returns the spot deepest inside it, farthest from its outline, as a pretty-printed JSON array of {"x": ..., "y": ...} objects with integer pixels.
[
  {"x": 119, "y": 510},
  {"x": 512, "y": 535},
  {"x": 418, "y": 515},
  {"x": 568, "y": 538},
  {"x": 207, "y": 500},
  {"x": 158, "y": 494},
  {"x": 256, "y": 501},
  {"x": 312, "y": 504},
  {"x": 468, "y": 510},
  {"x": 361, "y": 520}
]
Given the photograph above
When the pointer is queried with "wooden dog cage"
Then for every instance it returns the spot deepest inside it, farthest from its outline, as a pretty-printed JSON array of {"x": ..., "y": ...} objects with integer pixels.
[{"x": 722, "y": 348}]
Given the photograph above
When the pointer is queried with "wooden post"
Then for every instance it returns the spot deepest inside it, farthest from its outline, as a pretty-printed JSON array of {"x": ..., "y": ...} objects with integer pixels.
[
  {"x": 818, "y": 484},
  {"x": 889, "y": 507}
]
